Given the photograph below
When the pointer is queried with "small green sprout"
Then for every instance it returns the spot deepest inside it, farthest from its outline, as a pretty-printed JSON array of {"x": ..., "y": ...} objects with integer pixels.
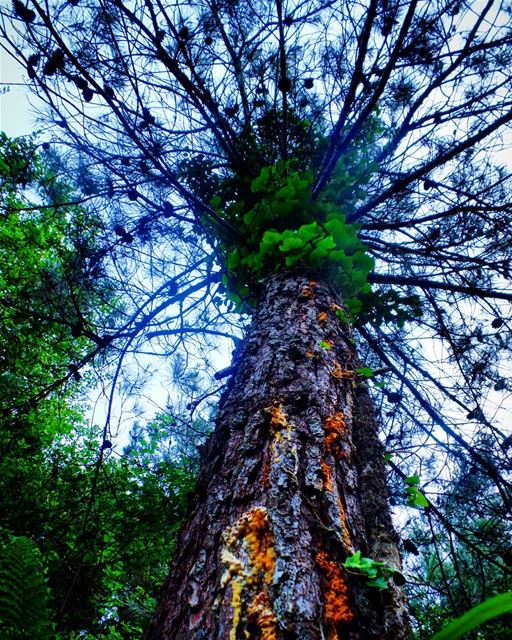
[
  {"x": 366, "y": 372},
  {"x": 414, "y": 496},
  {"x": 376, "y": 572}
]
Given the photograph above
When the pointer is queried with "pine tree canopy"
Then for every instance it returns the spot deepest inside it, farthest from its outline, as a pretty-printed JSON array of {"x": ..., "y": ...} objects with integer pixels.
[{"x": 220, "y": 142}]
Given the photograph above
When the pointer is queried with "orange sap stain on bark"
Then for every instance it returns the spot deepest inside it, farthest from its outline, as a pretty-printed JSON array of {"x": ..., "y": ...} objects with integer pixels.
[
  {"x": 278, "y": 418},
  {"x": 326, "y": 476},
  {"x": 260, "y": 543},
  {"x": 342, "y": 374},
  {"x": 334, "y": 426},
  {"x": 344, "y": 526},
  {"x": 335, "y": 591},
  {"x": 261, "y": 614}
]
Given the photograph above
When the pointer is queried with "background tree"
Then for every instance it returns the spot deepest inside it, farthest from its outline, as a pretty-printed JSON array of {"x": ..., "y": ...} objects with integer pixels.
[
  {"x": 457, "y": 562},
  {"x": 83, "y": 530},
  {"x": 230, "y": 141}
]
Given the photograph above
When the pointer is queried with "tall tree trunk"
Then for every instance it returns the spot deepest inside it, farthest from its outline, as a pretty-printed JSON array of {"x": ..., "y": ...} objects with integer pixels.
[{"x": 292, "y": 483}]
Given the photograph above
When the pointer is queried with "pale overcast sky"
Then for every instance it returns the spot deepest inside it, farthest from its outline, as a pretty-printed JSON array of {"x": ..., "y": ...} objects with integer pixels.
[{"x": 15, "y": 116}]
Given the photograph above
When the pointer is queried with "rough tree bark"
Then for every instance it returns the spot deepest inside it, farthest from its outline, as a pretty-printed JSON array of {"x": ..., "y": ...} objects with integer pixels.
[{"x": 292, "y": 483}]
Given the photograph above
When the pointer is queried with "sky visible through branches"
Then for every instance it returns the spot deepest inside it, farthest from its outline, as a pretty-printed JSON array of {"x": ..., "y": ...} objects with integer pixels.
[
  {"x": 18, "y": 117},
  {"x": 434, "y": 349},
  {"x": 401, "y": 114}
]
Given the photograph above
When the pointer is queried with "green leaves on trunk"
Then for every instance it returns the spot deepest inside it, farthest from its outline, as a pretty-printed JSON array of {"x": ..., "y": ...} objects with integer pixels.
[
  {"x": 285, "y": 229},
  {"x": 377, "y": 573}
]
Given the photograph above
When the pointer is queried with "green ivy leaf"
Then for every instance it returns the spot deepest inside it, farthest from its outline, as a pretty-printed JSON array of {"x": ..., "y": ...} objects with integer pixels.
[
  {"x": 354, "y": 305},
  {"x": 249, "y": 217},
  {"x": 366, "y": 372},
  {"x": 375, "y": 571},
  {"x": 233, "y": 260},
  {"x": 293, "y": 243},
  {"x": 337, "y": 228},
  {"x": 343, "y": 316},
  {"x": 379, "y": 583},
  {"x": 322, "y": 247},
  {"x": 412, "y": 480},
  {"x": 261, "y": 183},
  {"x": 419, "y": 500},
  {"x": 308, "y": 231},
  {"x": 353, "y": 560},
  {"x": 285, "y": 193},
  {"x": 215, "y": 202},
  {"x": 291, "y": 261}
]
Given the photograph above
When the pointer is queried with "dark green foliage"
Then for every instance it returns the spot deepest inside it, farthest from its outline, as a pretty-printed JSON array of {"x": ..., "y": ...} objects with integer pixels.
[
  {"x": 85, "y": 532},
  {"x": 273, "y": 222},
  {"x": 104, "y": 533},
  {"x": 305, "y": 140},
  {"x": 388, "y": 306},
  {"x": 24, "y": 593},
  {"x": 469, "y": 563}
]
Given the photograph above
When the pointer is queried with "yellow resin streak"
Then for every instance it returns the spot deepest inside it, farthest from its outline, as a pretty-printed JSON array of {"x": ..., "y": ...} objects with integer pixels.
[
  {"x": 251, "y": 533},
  {"x": 279, "y": 429}
]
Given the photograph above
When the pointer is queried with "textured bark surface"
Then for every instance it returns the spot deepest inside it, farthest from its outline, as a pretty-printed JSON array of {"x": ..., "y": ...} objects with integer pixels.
[{"x": 292, "y": 483}]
